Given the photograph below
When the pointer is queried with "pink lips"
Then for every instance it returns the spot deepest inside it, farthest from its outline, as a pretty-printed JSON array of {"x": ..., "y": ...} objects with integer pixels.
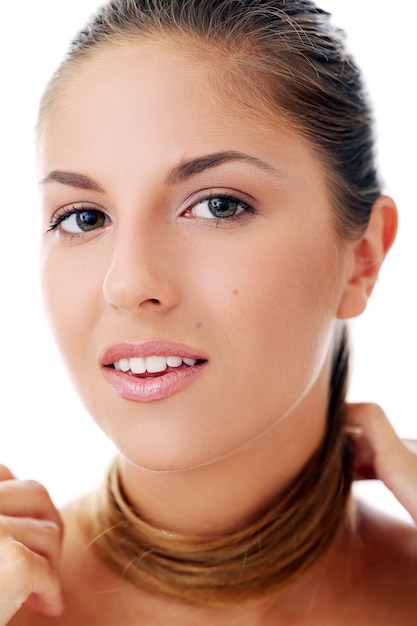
[{"x": 149, "y": 387}]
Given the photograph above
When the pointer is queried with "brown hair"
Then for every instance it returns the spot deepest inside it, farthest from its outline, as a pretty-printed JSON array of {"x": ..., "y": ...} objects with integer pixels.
[{"x": 282, "y": 59}]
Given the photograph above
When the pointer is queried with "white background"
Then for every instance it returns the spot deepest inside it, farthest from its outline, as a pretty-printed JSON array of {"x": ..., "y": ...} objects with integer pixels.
[{"x": 44, "y": 431}]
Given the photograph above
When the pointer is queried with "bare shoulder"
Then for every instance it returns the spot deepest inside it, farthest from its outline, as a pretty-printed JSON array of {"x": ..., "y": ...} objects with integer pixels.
[
  {"x": 388, "y": 537},
  {"x": 388, "y": 572},
  {"x": 373, "y": 581}
]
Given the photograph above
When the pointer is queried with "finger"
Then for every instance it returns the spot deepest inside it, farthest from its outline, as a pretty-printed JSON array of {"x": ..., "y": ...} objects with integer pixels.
[
  {"x": 5, "y": 473},
  {"x": 40, "y": 604},
  {"x": 27, "y": 498},
  {"x": 411, "y": 444},
  {"x": 376, "y": 438},
  {"x": 393, "y": 462},
  {"x": 363, "y": 454},
  {"x": 24, "y": 575},
  {"x": 46, "y": 594},
  {"x": 40, "y": 536}
]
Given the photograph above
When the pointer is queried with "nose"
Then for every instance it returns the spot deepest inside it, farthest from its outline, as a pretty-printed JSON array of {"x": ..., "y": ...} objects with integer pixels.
[{"x": 140, "y": 275}]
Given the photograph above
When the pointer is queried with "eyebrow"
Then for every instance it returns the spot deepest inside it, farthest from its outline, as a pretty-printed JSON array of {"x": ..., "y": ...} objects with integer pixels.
[
  {"x": 72, "y": 179},
  {"x": 183, "y": 171},
  {"x": 190, "y": 168}
]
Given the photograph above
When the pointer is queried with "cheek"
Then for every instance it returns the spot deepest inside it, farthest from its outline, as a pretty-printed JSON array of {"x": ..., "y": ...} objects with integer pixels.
[
  {"x": 272, "y": 313},
  {"x": 285, "y": 312},
  {"x": 281, "y": 293},
  {"x": 69, "y": 288}
]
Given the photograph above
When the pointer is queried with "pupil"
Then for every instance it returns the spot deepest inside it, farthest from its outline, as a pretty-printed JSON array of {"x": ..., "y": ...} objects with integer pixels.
[
  {"x": 87, "y": 220},
  {"x": 222, "y": 207}
]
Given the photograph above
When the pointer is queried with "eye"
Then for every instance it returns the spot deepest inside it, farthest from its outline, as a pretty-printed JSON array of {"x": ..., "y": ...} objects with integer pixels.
[
  {"x": 75, "y": 220},
  {"x": 83, "y": 221},
  {"x": 219, "y": 207}
]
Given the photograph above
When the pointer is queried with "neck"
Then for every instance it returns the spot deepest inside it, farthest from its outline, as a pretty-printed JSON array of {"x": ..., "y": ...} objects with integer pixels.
[
  {"x": 328, "y": 579},
  {"x": 223, "y": 495},
  {"x": 208, "y": 534}
]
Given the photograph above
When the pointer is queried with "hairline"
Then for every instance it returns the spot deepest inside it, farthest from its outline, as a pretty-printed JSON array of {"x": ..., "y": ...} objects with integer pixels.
[{"x": 266, "y": 109}]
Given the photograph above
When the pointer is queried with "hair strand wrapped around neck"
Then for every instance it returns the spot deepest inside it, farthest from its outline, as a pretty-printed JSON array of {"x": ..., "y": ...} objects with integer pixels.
[{"x": 258, "y": 559}]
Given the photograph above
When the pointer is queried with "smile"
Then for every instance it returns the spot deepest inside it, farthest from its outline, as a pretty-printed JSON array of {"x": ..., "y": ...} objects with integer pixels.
[
  {"x": 150, "y": 370},
  {"x": 153, "y": 364}
]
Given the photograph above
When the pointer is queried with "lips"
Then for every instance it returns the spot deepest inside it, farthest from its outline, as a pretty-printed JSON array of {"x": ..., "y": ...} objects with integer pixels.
[{"x": 150, "y": 370}]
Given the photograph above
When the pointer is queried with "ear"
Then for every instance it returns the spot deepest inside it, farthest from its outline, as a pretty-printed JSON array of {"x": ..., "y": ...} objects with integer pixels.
[{"x": 367, "y": 256}]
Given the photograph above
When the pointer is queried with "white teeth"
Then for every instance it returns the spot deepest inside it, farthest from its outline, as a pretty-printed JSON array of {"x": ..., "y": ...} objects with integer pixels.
[
  {"x": 190, "y": 362},
  {"x": 156, "y": 364},
  {"x": 124, "y": 365},
  {"x": 151, "y": 364},
  {"x": 138, "y": 365},
  {"x": 174, "y": 361}
]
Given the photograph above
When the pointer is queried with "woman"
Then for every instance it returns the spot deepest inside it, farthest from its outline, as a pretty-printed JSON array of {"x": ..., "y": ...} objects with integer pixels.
[{"x": 212, "y": 216}]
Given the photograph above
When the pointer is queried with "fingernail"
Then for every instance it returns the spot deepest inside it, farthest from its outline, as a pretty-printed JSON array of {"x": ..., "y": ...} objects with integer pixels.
[
  {"x": 354, "y": 431},
  {"x": 49, "y": 525}
]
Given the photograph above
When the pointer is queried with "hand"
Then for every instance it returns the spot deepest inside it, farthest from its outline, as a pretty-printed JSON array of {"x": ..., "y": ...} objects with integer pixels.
[
  {"x": 30, "y": 546},
  {"x": 380, "y": 453}
]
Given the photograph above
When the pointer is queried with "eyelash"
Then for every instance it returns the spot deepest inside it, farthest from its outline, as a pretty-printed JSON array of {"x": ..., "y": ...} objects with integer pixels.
[
  {"x": 216, "y": 221},
  {"x": 63, "y": 214},
  {"x": 66, "y": 212}
]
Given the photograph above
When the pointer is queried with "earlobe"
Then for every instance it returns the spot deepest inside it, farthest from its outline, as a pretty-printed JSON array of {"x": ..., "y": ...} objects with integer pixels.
[{"x": 367, "y": 256}]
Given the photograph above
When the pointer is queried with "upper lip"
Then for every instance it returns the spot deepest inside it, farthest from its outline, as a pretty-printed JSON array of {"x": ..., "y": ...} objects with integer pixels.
[{"x": 150, "y": 347}]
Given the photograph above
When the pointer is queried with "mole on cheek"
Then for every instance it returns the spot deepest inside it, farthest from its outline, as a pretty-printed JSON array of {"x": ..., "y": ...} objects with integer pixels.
[
  {"x": 197, "y": 325},
  {"x": 235, "y": 292}
]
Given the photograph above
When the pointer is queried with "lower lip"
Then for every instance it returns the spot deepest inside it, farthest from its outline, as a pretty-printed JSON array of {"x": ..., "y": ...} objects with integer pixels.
[{"x": 150, "y": 389}]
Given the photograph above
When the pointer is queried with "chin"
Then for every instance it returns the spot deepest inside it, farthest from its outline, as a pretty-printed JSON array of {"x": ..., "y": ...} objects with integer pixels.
[{"x": 161, "y": 460}]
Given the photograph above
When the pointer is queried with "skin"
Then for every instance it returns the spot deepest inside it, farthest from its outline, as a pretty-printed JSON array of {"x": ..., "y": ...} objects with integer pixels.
[
  {"x": 145, "y": 269},
  {"x": 134, "y": 291},
  {"x": 196, "y": 460}
]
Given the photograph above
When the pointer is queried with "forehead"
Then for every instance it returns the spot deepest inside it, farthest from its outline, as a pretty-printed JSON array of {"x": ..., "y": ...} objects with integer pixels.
[
  {"x": 156, "y": 102},
  {"x": 162, "y": 76}
]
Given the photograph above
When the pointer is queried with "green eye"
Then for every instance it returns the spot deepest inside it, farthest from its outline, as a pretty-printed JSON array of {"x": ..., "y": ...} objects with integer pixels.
[
  {"x": 223, "y": 207},
  {"x": 219, "y": 207}
]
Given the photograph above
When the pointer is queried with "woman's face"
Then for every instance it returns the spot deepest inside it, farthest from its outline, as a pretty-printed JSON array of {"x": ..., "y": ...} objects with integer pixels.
[{"x": 190, "y": 269}]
